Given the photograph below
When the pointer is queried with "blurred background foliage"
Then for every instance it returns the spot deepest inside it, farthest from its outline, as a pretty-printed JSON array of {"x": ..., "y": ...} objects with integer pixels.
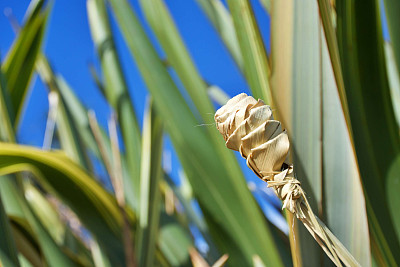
[{"x": 152, "y": 184}]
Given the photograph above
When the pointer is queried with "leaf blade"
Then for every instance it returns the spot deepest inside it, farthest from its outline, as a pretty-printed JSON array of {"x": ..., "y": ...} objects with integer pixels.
[
  {"x": 19, "y": 64},
  {"x": 150, "y": 194},
  {"x": 364, "y": 71},
  {"x": 116, "y": 89},
  {"x": 224, "y": 197},
  {"x": 255, "y": 60},
  {"x": 65, "y": 177},
  {"x": 310, "y": 108},
  {"x": 7, "y": 244}
]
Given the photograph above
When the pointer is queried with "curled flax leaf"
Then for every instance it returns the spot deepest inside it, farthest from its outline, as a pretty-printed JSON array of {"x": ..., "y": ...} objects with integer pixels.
[{"x": 247, "y": 126}]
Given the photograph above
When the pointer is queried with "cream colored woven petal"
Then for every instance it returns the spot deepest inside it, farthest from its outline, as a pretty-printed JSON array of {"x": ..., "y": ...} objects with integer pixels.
[
  {"x": 233, "y": 108},
  {"x": 251, "y": 164},
  {"x": 241, "y": 115},
  {"x": 247, "y": 126},
  {"x": 226, "y": 127},
  {"x": 270, "y": 156},
  {"x": 229, "y": 104},
  {"x": 268, "y": 130},
  {"x": 259, "y": 114},
  {"x": 235, "y": 139},
  {"x": 235, "y": 113}
]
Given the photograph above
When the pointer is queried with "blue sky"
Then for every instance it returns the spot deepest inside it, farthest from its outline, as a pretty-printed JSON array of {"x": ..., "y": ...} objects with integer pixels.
[{"x": 69, "y": 47}]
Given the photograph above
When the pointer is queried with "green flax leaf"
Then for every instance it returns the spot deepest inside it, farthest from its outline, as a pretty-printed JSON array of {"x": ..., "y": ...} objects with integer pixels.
[
  {"x": 321, "y": 148},
  {"x": 8, "y": 251},
  {"x": 255, "y": 61},
  {"x": 150, "y": 195},
  {"x": 75, "y": 187},
  {"x": 221, "y": 191},
  {"x": 116, "y": 89},
  {"x": 374, "y": 128},
  {"x": 19, "y": 64},
  {"x": 392, "y": 8}
]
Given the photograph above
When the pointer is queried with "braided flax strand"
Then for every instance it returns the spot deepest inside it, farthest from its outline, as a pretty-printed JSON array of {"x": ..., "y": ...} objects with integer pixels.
[{"x": 247, "y": 125}]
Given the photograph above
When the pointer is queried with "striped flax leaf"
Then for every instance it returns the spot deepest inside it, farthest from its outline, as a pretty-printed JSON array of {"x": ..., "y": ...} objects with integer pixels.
[
  {"x": 34, "y": 8},
  {"x": 32, "y": 13},
  {"x": 45, "y": 212},
  {"x": 16, "y": 206},
  {"x": 180, "y": 60},
  {"x": 11, "y": 200},
  {"x": 6, "y": 111},
  {"x": 49, "y": 217},
  {"x": 296, "y": 89},
  {"x": 80, "y": 192},
  {"x": 79, "y": 117},
  {"x": 343, "y": 198},
  {"x": 19, "y": 68},
  {"x": 178, "y": 57},
  {"x": 394, "y": 79},
  {"x": 8, "y": 249},
  {"x": 222, "y": 194},
  {"x": 255, "y": 61},
  {"x": 19, "y": 64},
  {"x": 321, "y": 147},
  {"x": 150, "y": 195},
  {"x": 282, "y": 40},
  {"x": 52, "y": 253},
  {"x": 116, "y": 89},
  {"x": 162, "y": 24},
  {"x": 26, "y": 242},
  {"x": 67, "y": 131},
  {"x": 282, "y": 17},
  {"x": 73, "y": 113},
  {"x": 325, "y": 10},
  {"x": 101, "y": 142},
  {"x": 374, "y": 128}
]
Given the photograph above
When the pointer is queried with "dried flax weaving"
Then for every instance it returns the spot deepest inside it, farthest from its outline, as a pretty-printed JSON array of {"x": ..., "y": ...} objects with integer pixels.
[{"x": 247, "y": 126}]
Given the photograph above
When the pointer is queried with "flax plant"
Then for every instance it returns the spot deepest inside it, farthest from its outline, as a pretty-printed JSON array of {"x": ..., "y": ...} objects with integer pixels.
[{"x": 331, "y": 80}]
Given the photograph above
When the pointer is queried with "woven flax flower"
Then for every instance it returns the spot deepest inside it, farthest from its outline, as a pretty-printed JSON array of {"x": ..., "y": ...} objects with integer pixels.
[{"x": 248, "y": 126}]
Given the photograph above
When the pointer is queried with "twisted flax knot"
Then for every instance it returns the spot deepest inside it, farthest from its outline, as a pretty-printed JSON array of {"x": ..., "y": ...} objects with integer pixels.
[
  {"x": 289, "y": 190},
  {"x": 247, "y": 126}
]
